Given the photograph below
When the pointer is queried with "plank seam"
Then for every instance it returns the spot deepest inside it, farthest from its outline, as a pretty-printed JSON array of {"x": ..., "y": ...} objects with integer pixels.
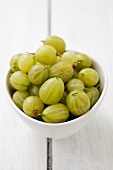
[{"x": 49, "y": 141}]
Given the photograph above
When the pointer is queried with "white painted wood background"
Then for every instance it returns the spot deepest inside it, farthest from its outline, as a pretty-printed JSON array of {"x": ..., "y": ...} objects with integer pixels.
[
  {"x": 86, "y": 26},
  {"x": 23, "y": 23}
]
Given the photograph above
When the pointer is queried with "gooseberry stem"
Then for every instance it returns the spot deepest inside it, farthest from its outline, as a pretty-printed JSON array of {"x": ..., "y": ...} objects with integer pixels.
[
  {"x": 86, "y": 88},
  {"x": 58, "y": 54},
  {"x": 39, "y": 114},
  {"x": 42, "y": 41},
  {"x": 74, "y": 94},
  {"x": 30, "y": 53},
  {"x": 35, "y": 112},
  {"x": 73, "y": 66},
  {"x": 79, "y": 61}
]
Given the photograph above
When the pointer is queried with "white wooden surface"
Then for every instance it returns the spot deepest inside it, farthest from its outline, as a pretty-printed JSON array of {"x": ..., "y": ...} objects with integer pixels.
[
  {"x": 22, "y": 25},
  {"x": 86, "y": 26}
]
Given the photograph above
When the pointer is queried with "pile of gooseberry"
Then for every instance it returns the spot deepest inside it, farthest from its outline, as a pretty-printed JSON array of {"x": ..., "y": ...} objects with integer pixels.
[{"x": 53, "y": 84}]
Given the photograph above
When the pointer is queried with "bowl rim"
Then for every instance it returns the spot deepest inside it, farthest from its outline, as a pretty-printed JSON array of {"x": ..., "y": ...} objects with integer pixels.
[{"x": 62, "y": 123}]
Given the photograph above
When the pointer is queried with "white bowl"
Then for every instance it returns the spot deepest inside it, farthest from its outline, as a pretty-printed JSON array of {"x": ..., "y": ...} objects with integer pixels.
[{"x": 61, "y": 130}]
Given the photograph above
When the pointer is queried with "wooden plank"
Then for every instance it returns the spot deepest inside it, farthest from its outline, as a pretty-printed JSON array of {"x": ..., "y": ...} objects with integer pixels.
[
  {"x": 87, "y": 26},
  {"x": 22, "y": 25}
]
